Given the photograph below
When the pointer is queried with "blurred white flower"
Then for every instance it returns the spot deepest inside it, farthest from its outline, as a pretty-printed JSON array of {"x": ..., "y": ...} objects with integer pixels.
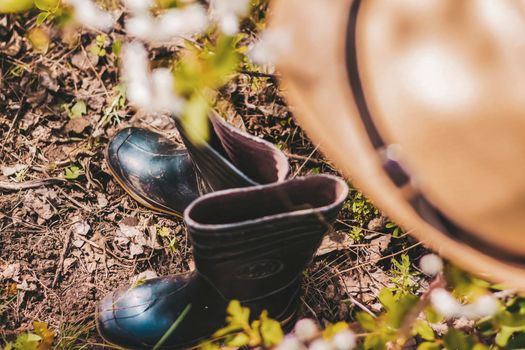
[
  {"x": 344, "y": 340},
  {"x": 445, "y": 303},
  {"x": 138, "y": 6},
  {"x": 306, "y": 329},
  {"x": 431, "y": 264},
  {"x": 291, "y": 342},
  {"x": 449, "y": 307},
  {"x": 272, "y": 44},
  {"x": 320, "y": 344},
  {"x": 89, "y": 14},
  {"x": 484, "y": 306},
  {"x": 163, "y": 89},
  {"x": 150, "y": 91},
  {"x": 227, "y": 13},
  {"x": 189, "y": 20}
]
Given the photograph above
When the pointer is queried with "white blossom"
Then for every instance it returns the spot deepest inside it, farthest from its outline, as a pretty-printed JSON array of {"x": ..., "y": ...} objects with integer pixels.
[
  {"x": 344, "y": 340},
  {"x": 136, "y": 76},
  {"x": 138, "y": 6},
  {"x": 431, "y": 264},
  {"x": 227, "y": 13},
  {"x": 306, "y": 329},
  {"x": 484, "y": 306},
  {"x": 173, "y": 23},
  {"x": 445, "y": 303},
  {"x": 449, "y": 307},
  {"x": 151, "y": 91},
  {"x": 272, "y": 44},
  {"x": 320, "y": 344},
  {"x": 89, "y": 14},
  {"x": 291, "y": 342}
]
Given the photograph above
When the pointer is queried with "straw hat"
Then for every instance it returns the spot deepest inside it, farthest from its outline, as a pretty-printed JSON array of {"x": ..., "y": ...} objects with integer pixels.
[{"x": 422, "y": 105}]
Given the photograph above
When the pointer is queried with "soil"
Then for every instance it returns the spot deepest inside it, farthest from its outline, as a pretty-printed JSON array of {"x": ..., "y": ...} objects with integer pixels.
[{"x": 66, "y": 243}]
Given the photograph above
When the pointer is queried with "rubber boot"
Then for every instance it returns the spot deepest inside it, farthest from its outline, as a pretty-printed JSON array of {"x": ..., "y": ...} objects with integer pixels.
[
  {"x": 161, "y": 176},
  {"x": 249, "y": 244}
]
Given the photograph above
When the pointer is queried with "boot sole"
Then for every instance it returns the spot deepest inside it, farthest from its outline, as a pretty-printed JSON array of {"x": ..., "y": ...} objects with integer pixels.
[
  {"x": 286, "y": 326},
  {"x": 135, "y": 196}
]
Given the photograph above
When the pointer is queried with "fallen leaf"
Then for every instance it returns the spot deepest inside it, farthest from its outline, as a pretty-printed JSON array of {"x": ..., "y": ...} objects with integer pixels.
[
  {"x": 11, "y": 271},
  {"x": 81, "y": 228},
  {"x": 13, "y": 169},
  {"x": 135, "y": 249},
  {"x": 334, "y": 242},
  {"x": 84, "y": 62},
  {"x": 77, "y": 125}
]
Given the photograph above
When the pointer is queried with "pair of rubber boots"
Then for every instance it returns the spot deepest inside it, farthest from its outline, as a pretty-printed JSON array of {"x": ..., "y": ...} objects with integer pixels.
[{"x": 251, "y": 239}]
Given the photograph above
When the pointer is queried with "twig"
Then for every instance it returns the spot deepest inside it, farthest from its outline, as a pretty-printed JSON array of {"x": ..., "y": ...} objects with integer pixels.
[
  {"x": 299, "y": 157},
  {"x": 75, "y": 202},
  {"x": 411, "y": 317},
  {"x": 259, "y": 74},
  {"x": 305, "y": 161},
  {"x": 62, "y": 257},
  {"x": 17, "y": 186}
]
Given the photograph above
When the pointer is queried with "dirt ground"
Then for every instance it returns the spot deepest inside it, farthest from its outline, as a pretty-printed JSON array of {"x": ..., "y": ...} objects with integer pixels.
[{"x": 64, "y": 243}]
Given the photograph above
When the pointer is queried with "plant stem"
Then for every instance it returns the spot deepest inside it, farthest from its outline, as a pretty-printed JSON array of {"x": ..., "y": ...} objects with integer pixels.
[{"x": 172, "y": 328}]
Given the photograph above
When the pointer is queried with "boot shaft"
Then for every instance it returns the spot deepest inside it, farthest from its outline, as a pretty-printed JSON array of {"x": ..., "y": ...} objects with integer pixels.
[
  {"x": 252, "y": 242},
  {"x": 231, "y": 158}
]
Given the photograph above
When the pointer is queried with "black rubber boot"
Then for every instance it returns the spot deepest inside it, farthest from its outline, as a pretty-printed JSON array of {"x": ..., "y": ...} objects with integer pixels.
[
  {"x": 250, "y": 244},
  {"x": 161, "y": 176}
]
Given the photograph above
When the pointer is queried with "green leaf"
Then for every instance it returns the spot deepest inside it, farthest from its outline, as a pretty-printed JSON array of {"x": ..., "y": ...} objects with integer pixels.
[
  {"x": 72, "y": 172},
  {"x": 237, "y": 314},
  {"x": 78, "y": 109},
  {"x": 374, "y": 342},
  {"x": 503, "y": 336},
  {"x": 432, "y": 315},
  {"x": 116, "y": 47},
  {"x": 386, "y": 297},
  {"x": 13, "y": 6},
  {"x": 516, "y": 341},
  {"x": 397, "y": 312},
  {"x": 41, "y": 18},
  {"x": 238, "y": 340},
  {"x": 27, "y": 341},
  {"x": 271, "y": 331},
  {"x": 457, "y": 340},
  {"x": 366, "y": 321},
  {"x": 47, "y": 5},
  {"x": 511, "y": 319},
  {"x": 162, "y": 231},
  {"x": 173, "y": 245},
  {"x": 332, "y": 329},
  {"x": 424, "y": 330},
  {"x": 195, "y": 119},
  {"x": 428, "y": 346}
]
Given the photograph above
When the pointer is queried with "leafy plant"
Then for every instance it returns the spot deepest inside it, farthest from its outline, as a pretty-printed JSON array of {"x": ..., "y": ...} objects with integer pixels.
[
  {"x": 49, "y": 10},
  {"x": 72, "y": 172},
  {"x": 403, "y": 278},
  {"x": 99, "y": 47},
  {"x": 41, "y": 339},
  {"x": 75, "y": 110},
  {"x": 240, "y": 332}
]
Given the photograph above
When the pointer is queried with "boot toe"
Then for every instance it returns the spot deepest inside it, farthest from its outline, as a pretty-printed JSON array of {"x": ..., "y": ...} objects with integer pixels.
[
  {"x": 119, "y": 319},
  {"x": 137, "y": 317}
]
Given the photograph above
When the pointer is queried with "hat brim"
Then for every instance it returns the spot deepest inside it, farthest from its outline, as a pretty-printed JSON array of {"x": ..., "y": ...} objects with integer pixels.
[{"x": 316, "y": 84}]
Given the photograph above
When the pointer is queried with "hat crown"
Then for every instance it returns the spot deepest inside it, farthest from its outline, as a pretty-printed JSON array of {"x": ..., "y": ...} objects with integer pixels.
[{"x": 445, "y": 80}]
